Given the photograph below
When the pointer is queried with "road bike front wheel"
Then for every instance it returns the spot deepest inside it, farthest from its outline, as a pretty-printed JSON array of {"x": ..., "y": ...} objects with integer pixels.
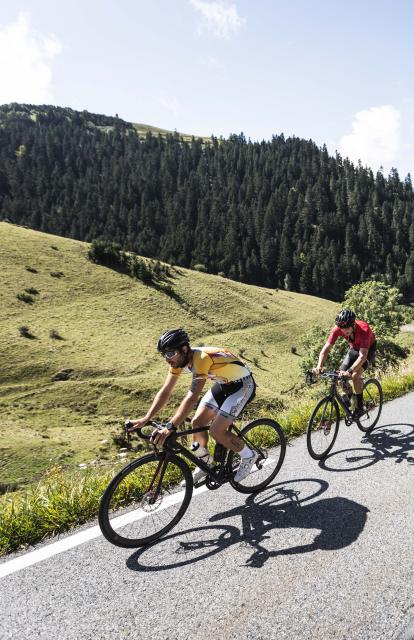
[
  {"x": 322, "y": 428},
  {"x": 372, "y": 399},
  {"x": 145, "y": 500},
  {"x": 265, "y": 437}
]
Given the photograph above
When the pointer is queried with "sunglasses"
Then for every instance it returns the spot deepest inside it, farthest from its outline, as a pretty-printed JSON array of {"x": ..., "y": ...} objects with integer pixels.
[
  {"x": 343, "y": 325},
  {"x": 169, "y": 354}
]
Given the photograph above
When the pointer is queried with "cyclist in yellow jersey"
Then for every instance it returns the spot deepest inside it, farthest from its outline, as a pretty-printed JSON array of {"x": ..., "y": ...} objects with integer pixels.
[{"x": 233, "y": 388}]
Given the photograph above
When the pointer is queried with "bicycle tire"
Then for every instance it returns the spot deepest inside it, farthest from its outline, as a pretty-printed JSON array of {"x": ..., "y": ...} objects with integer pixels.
[
  {"x": 370, "y": 400},
  {"x": 263, "y": 435},
  {"x": 314, "y": 429},
  {"x": 132, "y": 494}
]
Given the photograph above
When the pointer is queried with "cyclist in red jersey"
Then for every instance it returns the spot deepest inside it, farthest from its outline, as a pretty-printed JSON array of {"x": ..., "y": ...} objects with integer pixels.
[{"x": 362, "y": 349}]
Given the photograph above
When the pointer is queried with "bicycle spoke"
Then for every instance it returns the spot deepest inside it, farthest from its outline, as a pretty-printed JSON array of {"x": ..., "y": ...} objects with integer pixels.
[
  {"x": 265, "y": 437},
  {"x": 323, "y": 428},
  {"x": 145, "y": 500},
  {"x": 372, "y": 405}
]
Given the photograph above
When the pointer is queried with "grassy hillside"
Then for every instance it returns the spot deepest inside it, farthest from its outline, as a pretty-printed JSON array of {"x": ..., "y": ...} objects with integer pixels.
[
  {"x": 143, "y": 129},
  {"x": 105, "y": 327}
]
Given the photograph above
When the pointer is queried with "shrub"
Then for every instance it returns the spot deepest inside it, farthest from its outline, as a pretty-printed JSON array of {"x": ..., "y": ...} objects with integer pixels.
[
  {"x": 55, "y": 335},
  {"x": 32, "y": 291},
  {"x": 141, "y": 270},
  {"x": 376, "y": 303},
  {"x": 31, "y": 269},
  {"x": 200, "y": 267},
  {"x": 108, "y": 254},
  {"x": 25, "y": 332},
  {"x": 57, "y": 274},
  {"x": 25, "y": 297}
]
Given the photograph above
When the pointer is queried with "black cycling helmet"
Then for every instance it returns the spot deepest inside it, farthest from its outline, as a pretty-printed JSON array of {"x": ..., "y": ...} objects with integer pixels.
[
  {"x": 172, "y": 339},
  {"x": 345, "y": 318}
]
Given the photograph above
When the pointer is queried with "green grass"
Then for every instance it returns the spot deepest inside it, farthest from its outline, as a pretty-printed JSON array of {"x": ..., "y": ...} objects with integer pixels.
[
  {"x": 63, "y": 500},
  {"x": 110, "y": 324},
  {"x": 143, "y": 129}
]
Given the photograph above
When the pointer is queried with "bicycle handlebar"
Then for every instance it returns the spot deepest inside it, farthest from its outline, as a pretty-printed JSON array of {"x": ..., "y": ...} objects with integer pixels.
[
  {"x": 140, "y": 434},
  {"x": 311, "y": 378},
  {"x": 330, "y": 374}
]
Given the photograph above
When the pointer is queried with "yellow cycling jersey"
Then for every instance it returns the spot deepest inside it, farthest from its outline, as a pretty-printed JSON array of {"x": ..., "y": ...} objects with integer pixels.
[{"x": 214, "y": 363}]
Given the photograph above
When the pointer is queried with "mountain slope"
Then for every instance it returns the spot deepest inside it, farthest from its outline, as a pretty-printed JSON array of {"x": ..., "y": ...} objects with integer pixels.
[
  {"x": 106, "y": 326},
  {"x": 281, "y": 213}
]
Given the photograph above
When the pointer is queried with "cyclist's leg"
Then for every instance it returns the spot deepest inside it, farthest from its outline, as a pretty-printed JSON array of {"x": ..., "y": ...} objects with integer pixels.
[
  {"x": 209, "y": 411},
  {"x": 202, "y": 417},
  {"x": 357, "y": 374},
  {"x": 357, "y": 380},
  {"x": 231, "y": 399},
  {"x": 219, "y": 430}
]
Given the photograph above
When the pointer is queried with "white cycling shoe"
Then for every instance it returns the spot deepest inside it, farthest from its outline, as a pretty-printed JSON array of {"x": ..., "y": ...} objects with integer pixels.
[
  {"x": 246, "y": 465},
  {"x": 198, "y": 476}
]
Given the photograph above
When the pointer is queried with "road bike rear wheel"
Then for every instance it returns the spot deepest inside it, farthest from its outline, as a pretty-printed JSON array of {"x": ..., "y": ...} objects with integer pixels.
[
  {"x": 145, "y": 500},
  {"x": 372, "y": 399},
  {"x": 322, "y": 428},
  {"x": 265, "y": 437}
]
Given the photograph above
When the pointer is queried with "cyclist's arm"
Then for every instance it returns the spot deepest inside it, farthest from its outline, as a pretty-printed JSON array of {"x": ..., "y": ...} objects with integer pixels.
[
  {"x": 363, "y": 354},
  {"x": 188, "y": 402},
  {"x": 163, "y": 396},
  {"x": 323, "y": 357},
  {"x": 160, "y": 400}
]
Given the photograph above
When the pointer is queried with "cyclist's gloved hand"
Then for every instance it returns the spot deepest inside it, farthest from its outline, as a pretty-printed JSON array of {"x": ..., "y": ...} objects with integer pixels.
[
  {"x": 133, "y": 425},
  {"x": 160, "y": 435}
]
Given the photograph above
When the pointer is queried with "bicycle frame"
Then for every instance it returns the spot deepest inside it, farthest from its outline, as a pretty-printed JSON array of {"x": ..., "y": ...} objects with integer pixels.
[
  {"x": 333, "y": 393},
  {"x": 218, "y": 474}
]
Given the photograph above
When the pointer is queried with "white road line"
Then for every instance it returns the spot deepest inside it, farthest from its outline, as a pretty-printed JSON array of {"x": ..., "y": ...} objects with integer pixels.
[
  {"x": 33, "y": 557},
  {"x": 76, "y": 539}
]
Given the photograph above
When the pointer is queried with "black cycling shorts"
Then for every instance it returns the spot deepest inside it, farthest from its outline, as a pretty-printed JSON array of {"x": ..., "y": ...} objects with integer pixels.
[
  {"x": 353, "y": 355},
  {"x": 229, "y": 400}
]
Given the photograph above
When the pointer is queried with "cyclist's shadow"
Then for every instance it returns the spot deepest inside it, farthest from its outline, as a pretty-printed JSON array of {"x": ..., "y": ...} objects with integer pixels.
[
  {"x": 387, "y": 442},
  {"x": 393, "y": 442},
  {"x": 339, "y": 520}
]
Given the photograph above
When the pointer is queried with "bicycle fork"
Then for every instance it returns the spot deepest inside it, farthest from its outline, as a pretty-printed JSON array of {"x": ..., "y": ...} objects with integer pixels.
[{"x": 151, "y": 495}]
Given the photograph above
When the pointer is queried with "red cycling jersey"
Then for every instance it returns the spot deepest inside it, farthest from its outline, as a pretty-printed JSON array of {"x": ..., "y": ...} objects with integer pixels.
[{"x": 363, "y": 337}]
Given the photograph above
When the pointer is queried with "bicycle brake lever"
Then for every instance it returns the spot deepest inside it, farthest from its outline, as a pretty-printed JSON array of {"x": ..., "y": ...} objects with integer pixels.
[
  {"x": 309, "y": 377},
  {"x": 127, "y": 425}
]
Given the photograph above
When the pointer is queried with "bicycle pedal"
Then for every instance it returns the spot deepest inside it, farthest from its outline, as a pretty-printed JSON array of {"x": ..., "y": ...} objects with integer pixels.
[{"x": 212, "y": 484}]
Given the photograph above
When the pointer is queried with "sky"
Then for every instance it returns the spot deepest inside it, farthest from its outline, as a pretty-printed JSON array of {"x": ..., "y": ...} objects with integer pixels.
[{"x": 340, "y": 73}]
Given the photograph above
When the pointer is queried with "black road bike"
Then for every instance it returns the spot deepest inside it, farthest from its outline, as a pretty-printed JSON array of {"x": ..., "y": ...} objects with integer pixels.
[
  {"x": 150, "y": 495},
  {"x": 323, "y": 424}
]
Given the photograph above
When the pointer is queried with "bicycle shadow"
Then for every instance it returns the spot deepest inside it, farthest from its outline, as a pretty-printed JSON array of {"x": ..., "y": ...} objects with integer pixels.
[
  {"x": 340, "y": 521},
  {"x": 387, "y": 442}
]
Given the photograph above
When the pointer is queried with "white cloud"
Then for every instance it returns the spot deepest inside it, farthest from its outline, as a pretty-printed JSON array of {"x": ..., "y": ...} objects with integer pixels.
[
  {"x": 213, "y": 63},
  {"x": 220, "y": 19},
  {"x": 375, "y": 137},
  {"x": 171, "y": 104},
  {"x": 25, "y": 62}
]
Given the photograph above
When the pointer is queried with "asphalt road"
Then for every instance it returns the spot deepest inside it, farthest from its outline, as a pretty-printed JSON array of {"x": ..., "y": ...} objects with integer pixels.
[{"x": 324, "y": 553}]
